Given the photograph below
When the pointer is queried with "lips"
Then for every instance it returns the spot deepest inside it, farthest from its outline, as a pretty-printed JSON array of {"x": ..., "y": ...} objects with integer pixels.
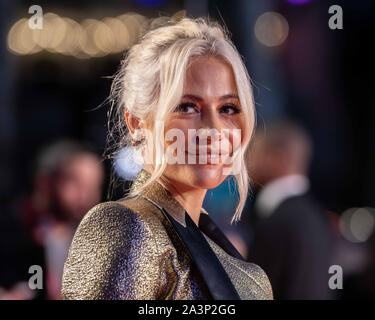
[
  {"x": 203, "y": 151},
  {"x": 208, "y": 158},
  {"x": 208, "y": 154}
]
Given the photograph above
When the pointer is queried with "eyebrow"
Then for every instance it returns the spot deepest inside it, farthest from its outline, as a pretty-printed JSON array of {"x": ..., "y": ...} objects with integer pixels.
[{"x": 226, "y": 96}]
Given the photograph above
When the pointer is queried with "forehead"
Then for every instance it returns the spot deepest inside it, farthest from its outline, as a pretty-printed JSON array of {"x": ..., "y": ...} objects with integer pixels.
[{"x": 209, "y": 76}]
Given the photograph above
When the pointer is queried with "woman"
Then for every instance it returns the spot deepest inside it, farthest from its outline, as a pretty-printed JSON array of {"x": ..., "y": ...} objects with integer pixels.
[{"x": 180, "y": 81}]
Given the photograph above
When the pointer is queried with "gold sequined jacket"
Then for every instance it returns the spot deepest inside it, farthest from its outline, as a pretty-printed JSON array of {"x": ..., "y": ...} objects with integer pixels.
[{"x": 147, "y": 247}]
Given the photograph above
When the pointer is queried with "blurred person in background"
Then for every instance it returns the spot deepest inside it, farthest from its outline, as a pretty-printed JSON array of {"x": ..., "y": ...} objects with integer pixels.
[
  {"x": 293, "y": 240},
  {"x": 68, "y": 181}
]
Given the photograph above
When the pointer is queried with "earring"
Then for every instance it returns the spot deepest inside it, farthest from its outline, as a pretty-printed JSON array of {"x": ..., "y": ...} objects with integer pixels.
[{"x": 138, "y": 138}]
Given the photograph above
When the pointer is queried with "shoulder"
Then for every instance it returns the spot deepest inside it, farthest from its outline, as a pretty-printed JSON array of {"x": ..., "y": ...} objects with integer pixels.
[
  {"x": 252, "y": 282},
  {"x": 121, "y": 210},
  {"x": 262, "y": 281},
  {"x": 106, "y": 215},
  {"x": 111, "y": 242},
  {"x": 116, "y": 219},
  {"x": 111, "y": 224}
]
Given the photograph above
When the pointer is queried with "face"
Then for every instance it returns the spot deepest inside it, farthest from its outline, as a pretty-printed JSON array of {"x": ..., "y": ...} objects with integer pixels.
[
  {"x": 210, "y": 101},
  {"x": 79, "y": 185}
]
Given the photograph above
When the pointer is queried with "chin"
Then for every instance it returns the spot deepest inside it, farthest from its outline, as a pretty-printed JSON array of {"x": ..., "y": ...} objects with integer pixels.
[{"x": 207, "y": 176}]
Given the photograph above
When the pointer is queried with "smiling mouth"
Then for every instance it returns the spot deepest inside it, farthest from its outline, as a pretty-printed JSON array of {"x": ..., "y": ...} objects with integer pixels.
[{"x": 208, "y": 158}]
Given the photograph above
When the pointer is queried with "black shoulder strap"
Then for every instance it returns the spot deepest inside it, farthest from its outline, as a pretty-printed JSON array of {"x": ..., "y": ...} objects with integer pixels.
[{"x": 211, "y": 230}]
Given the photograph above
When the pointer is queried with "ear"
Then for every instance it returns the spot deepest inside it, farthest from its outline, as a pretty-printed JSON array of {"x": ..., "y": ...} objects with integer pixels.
[{"x": 132, "y": 122}]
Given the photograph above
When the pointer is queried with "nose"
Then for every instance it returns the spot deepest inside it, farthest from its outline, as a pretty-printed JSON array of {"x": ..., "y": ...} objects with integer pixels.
[
  {"x": 211, "y": 120},
  {"x": 210, "y": 129}
]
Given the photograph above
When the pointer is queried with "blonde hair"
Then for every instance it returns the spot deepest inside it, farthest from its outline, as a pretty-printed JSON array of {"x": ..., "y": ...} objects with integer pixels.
[{"x": 150, "y": 83}]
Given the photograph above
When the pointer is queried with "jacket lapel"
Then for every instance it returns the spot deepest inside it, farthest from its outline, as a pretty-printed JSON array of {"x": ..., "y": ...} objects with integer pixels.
[
  {"x": 210, "y": 229},
  {"x": 211, "y": 270}
]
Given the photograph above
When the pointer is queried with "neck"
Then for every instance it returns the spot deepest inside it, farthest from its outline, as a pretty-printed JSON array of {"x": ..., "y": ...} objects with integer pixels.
[{"x": 191, "y": 199}]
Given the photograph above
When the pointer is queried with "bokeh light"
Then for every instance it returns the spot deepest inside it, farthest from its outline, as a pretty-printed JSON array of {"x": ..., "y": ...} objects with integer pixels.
[
  {"x": 20, "y": 39},
  {"x": 86, "y": 39},
  {"x": 357, "y": 224},
  {"x": 271, "y": 29},
  {"x": 119, "y": 33},
  {"x": 70, "y": 45},
  {"x": 52, "y": 34}
]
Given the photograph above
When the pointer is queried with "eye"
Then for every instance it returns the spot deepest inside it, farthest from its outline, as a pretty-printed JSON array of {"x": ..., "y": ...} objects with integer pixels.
[
  {"x": 230, "y": 109},
  {"x": 187, "y": 108}
]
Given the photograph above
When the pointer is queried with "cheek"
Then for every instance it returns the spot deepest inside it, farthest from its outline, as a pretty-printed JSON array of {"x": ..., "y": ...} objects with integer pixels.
[
  {"x": 238, "y": 134},
  {"x": 209, "y": 178},
  {"x": 176, "y": 128}
]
